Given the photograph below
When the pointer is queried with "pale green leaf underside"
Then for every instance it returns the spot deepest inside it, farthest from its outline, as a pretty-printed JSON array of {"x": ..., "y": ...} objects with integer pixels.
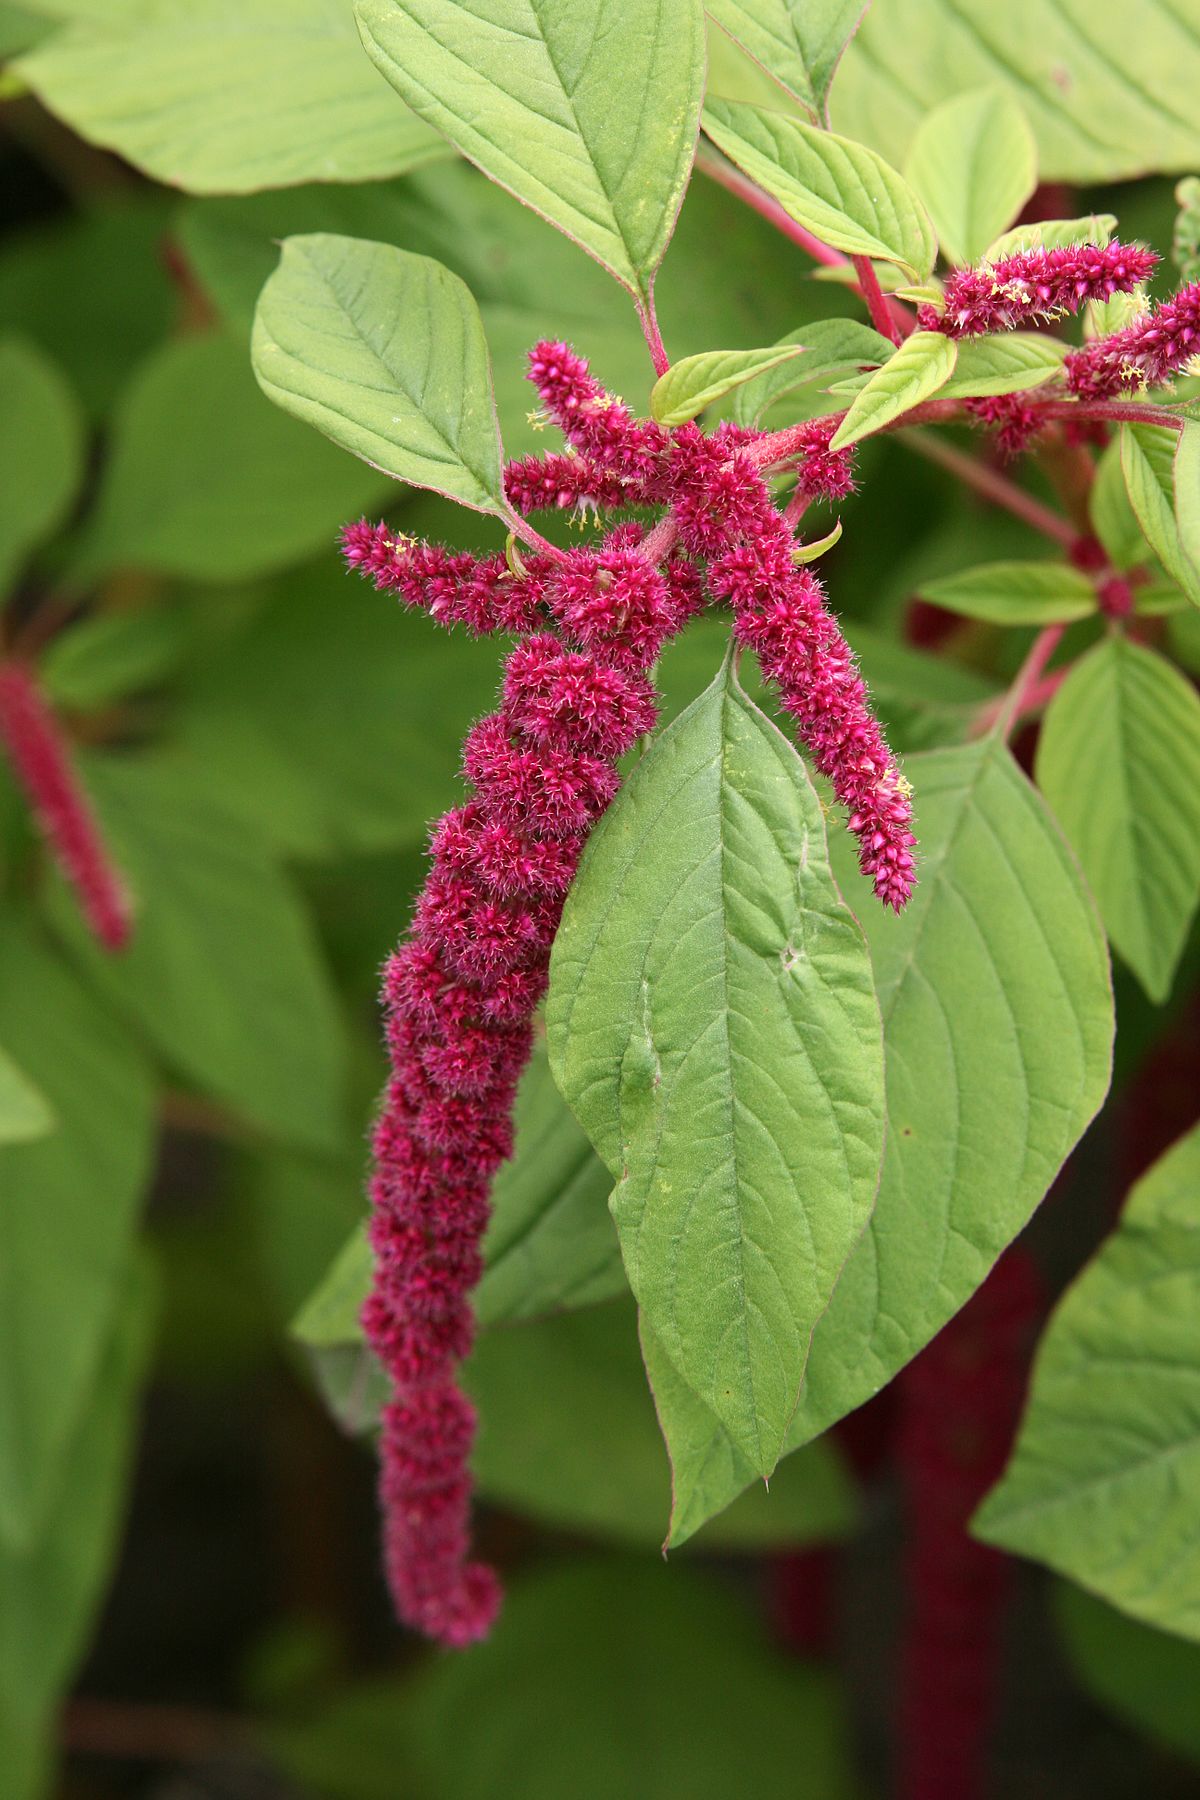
[
  {"x": 973, "y": 162},
  {"x": 1111, "y": 512},
  {"x": 587, "y": 114},
  {"x": 1104, "y": 1484},
  {"x": 831, "y": 347},
  {"x": 1119, "y": 762},
  {"x": 1148, "y": 464},
  {"x": 384, "y": 352},
  {"x": 1015, "y": 593},
  {"x": 799, "y": 41},
  {"x": 232, "y": 95},
  {"x": 838, "y": 189},
  {"x": 712, "y": 1022},
  {"x": 1053, "y": 234},
  {"x": 1109, "y": 92},
  {"x": 1187, "y": 502},
  {"x": 1003, "y": 365},
  {"x": 698, "y": 381},
  {"x": 41, "y": 452},
  {"x": 24, "y": 1111},
  {"x": 921, "y": 366}
]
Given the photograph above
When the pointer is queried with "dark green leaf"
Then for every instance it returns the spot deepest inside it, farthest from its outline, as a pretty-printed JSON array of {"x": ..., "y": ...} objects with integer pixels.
[
  {"x": 108, "y": 655},
  {"x": 41, "y": 449},
  {"x": 1016, "y": 593},
  {"x": 1148, "y": 1679}
]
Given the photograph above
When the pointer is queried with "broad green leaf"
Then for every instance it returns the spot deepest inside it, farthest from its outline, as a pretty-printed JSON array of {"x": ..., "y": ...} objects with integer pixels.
[
  {"x": 799, "y": 41},
  {"x": 1147, "y": 461},
  {"x": 609, "y": 1676},
  {"x": 973, "y": 163},
  {"x": 837, "y": 189},
  {"x": 923, "y": 363},
  {"x": 1161, "y": 600},
  {"x": 1119, "y": 762},
  {"x": 50, "y": 1589},
  {"x": 831, "y": 347},
  {"x": 1112, "y": 516},
  {"x": 698, "y": 381},
  {"x": 24, "y": 1112},
  {"x": 1053, "y": 234},
  {"x": 384, "y": 352},
  {"x": 41, "y": 449},
  {"x": 1187, "y": 501},
  {"x": 568, "y": 1434},
  {"x": 205, "y": 479},
  {"x": 329, "y": 1317},
  {"x": 1003, "y": 365},
  {"x": 1016, "y": 593},
  {"x": 229, "y": 95},
  {"x": 70, "y": 1207},
  {"x": 1104, "y": 1483},
  {"x": 590, "y": 120},
  {"x": 1107, "y": 95},
  {"x": 1146, "y": 1678},
  {"x": 712, "y": 1022},
  {"x": 222, "y": 969},
  {"x": 924, "y": 701},
  {"x": 109, "y": 655}
]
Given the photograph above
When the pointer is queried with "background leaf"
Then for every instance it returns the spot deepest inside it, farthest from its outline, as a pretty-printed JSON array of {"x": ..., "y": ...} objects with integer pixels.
[
  {"x": 1148, "y": 463},
  {"x": 1145, "y": 1678},
  {"x": 384, "y": 352},
  {"x": 1105, "y": 1479},
  {"x": 1015, "y": 593},
  {"x": 1119, "y": 761},
  {"x": 973, "y": 162},
  {"x": 711, "y": 1020},
  {"x": 41, "y": 448},
  {"x": 592, "y": 122},
  {"x": 800, "y": 42},
  {"x": 24, "y": 1112}
]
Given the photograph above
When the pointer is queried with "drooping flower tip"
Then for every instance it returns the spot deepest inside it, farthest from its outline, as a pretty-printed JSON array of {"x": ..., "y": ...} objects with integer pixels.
[
  {"x": 822, "y": 473},
  {"x": 1145, "y": 354},
  {"x": 1033, "y": 285}
]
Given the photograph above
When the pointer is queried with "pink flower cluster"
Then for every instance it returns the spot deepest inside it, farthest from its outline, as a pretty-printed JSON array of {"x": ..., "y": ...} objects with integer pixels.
[
  {"x": 32, "y": 738},
  {"x": 1033, "y": 285},
  {"x": 1145, "y": 354},
  {"x": 460, "y": 993}
]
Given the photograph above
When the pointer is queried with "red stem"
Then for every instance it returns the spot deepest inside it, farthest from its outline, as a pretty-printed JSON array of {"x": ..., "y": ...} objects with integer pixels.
[
  {"x": 1128, "y": 412},
  {"x": 1036, "y": 696},
  {"x": 1028, "y": 677},
  {"x": 37, "y": 751},
  {"x": 877, "y": 306},
  {"x": 648, "y": 320}
]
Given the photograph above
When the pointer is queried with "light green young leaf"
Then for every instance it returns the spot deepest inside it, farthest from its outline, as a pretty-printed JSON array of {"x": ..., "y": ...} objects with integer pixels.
[
  {"x": 831, "y": 347},
  {"x": 1119, "y": 761},
  {"x": 222, "y": 970},
  {"x": 1113, "y": 518},
  {"x": 800, "y": 42},
  {"x": 1147, "y": 462},
  {"x": 50, "y": 1589},
  {"x": 973, "y": 162},
  {"x": 698, "y": 381},
  {"x": 1015, "y": 593},
  {"x": 1148, "y": 1679},
  {"x": 1107, "y": 97},
  {"x": 41, "y": 451},
  {"x": 591, "y": 119},
  {"x": 24, "y": 1111},
  {"x": 1003, "y": 365},
  {"x": 384, "y": 352},
  {"x": 1187, "y": 501},
  {"x": 1104, "y": 1483},
  {"x": 923, "y": 363},
  {"x": 712, "y": 1022},
  {"x": 837, "y": 189},
  {"x": 533, "y": 1387},
  {"x": 69, "y": 1212},
  {"x": 205, "y": 479},
  {"x": 1053, "y": 234},
  {"x": 230, "y": 95}
]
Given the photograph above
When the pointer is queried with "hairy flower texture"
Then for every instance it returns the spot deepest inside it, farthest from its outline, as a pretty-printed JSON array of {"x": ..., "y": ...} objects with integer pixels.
[
  {"x": 1032, "y": 285},
  {"x": 31, "y": 735},
  {"x": 1015, "y": 422},
  {"x": 822, "y": 473},
  {"x": 455, "y": 588},
  {"x": 1144, "y": 354},
  {"x": 561, "y": 482}
]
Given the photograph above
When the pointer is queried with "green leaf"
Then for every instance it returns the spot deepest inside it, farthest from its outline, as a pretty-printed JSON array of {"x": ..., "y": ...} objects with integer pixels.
[
  {"x": 593, "y": 124},
  {"x": 1106, "y": 99},
  {"x": 229, "y": 95},
  {"x": 222, "y": 970},
  {"x": 1146, "y": 1678},
  {"x": 1119, "y": 761},
  {"x": 1003, "y": 365},
  {"x": 109, "y": 655},
  {"x": 831, "y": 347},
  {"x": 536, "y": 1386},
  {"x": 799, "y": 41},
  {"x": 923, "y": 363},
  {"x": 1112, "y": 516},
  {"x": 1104, "y": 1482},
  {"x": 610, "y": 1676},
  {"x": 1147, "y": 461},
  {"x": 837, "y": 189},
  {"x": 70, "y": 1205},
  {"x": 50, "y": 1589},
  {"x": 712, "y": 1022},
  {"x": 41, "y": 449},
  {"x": 1053, "y": 234},
  {"x": 24, "y": 1112},
  {"x": 384, "y": 352},
  {"x": 924, "y": 701},
  {"x": 1015, "y": 593},
  {"x": 205, "y": 479},
  {"x": 973, "y": 163},
  {"x": 697, "y": 381},
  {"x": 1187, "y": 503}
]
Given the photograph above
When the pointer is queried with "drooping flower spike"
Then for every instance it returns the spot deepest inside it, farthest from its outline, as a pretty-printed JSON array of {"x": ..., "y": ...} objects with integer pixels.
[
  {"x": 1034, "y": 285},
  {"x": 1144, "y": 354}
]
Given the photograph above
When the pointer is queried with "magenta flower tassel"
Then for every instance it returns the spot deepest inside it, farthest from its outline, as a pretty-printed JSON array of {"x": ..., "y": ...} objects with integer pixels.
[
  {"x": 1035, "y": 285},
  {"x": 1144, "y": 354}
]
